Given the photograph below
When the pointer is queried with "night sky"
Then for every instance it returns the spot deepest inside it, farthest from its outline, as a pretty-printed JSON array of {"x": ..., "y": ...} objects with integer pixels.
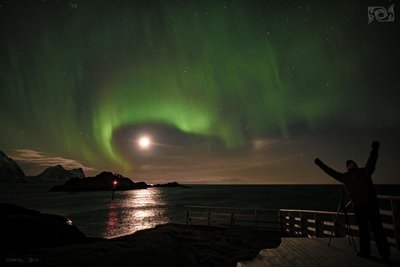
[{"x": 226, "y": 91}]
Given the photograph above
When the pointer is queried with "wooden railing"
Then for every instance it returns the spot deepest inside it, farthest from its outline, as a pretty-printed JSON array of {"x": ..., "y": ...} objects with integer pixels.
[
  {"x": 228, "y": 216},
  {"x": 312, "y": 223},
  {"x": 298, "y": 223}
]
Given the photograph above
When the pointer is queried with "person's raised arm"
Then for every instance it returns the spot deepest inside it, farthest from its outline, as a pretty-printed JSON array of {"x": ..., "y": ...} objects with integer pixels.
[
  {"x": 331, "y": 172},
  {"x": 373, "y": 157}
]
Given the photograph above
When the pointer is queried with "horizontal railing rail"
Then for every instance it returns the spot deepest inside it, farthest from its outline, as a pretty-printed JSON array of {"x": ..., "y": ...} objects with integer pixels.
[{"x": 229, "y": 216}]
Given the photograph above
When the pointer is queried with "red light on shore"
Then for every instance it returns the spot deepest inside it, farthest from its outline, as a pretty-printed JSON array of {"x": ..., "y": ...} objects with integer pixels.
[{"x": 115, "y": 182}]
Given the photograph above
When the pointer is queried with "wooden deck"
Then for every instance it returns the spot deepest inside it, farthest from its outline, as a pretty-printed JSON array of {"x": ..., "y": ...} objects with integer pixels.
[
  {"x": 308, "y": 234},
  {"x": 315, "y": 252}
]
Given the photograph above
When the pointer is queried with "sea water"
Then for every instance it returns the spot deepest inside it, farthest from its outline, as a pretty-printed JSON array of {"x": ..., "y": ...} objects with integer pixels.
[{"x": 97, "y": 215}]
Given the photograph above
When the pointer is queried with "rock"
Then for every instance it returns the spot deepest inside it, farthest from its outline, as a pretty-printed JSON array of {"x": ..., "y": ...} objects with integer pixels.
[
  {"x": 189, "y": 245},
  {"x": 167, "y": 245},
  {"x": 23, "y": 228},
  {"x": 10, "y": 171},
  {"x": 58, "y": 174},
  {"x": 101, "y": 182}
]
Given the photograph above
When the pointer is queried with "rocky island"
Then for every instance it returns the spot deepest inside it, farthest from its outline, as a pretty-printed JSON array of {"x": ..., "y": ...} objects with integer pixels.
[
  {"x": 172, "y": 184},
  {"x": 104, "y": 181}
]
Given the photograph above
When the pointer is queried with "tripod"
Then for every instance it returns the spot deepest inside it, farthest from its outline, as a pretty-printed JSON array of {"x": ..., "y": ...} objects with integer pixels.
[{"x": 343, "y": 205}]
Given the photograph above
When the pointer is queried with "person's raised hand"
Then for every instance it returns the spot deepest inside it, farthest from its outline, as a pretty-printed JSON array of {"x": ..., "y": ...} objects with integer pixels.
[
  {"x": 375, "y": 145},
  {"x": 318, "y": 161}
]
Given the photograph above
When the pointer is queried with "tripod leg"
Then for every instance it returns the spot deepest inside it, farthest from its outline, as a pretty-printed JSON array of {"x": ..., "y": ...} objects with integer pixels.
[{"x": 335, "y": 222}]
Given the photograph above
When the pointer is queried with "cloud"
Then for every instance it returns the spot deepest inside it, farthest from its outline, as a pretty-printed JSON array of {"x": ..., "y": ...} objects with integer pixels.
[
  {"x": 251, "y": 166},
  {"x": 37, "y": 158}
]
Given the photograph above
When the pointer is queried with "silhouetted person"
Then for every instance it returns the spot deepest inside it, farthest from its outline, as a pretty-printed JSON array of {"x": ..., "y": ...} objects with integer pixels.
[{"x": 358, "y": 183}]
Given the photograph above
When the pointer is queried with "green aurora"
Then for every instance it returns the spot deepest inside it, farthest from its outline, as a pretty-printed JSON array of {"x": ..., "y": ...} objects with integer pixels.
[{"x": 73, "y": 74}]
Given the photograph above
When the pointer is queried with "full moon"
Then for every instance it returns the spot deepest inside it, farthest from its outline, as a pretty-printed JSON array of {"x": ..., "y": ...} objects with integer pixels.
[{"x": 144, "y": 142}]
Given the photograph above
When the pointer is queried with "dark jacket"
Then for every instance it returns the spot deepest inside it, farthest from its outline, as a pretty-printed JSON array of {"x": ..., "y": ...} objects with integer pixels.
[{"x": 358, "y": 182}]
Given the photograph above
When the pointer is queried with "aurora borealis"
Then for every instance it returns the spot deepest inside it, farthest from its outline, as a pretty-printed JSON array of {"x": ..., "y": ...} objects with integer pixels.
[{"x": 229, "y": 91}]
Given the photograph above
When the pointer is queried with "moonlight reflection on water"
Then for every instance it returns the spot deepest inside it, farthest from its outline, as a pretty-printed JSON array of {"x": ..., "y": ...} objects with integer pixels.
[{"x": 134, "y": 210}]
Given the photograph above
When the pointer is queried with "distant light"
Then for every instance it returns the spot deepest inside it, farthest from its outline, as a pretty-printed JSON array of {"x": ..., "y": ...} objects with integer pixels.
[
  {"x": 144, "y": 142},
  {"x": 115, "y": 183}
]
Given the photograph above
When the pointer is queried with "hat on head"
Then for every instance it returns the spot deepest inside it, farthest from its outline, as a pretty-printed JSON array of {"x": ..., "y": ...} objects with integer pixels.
[{"x": 348, "y": 162}]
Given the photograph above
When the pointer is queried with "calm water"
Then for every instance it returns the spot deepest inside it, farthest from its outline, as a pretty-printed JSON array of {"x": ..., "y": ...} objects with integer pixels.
[{"x": 99, "y": 216}]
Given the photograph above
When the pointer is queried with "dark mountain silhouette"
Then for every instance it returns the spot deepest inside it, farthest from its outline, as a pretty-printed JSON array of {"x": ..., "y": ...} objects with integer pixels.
[
  {"x": 101, "y": 182},
  {"x": 58, "y": 174},
  {"x": 10, "y": 171}
]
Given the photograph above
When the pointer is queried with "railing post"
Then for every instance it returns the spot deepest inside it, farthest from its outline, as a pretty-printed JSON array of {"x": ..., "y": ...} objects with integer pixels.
[
  {"x": 255, "y": 218},
  {"x": 319, "y": 226},
  {"x": 291, "y": 224},
  {"x": 187, "y": 217},
  {"x": 282, "y": 221},
  {"x": 303, "y": 225},
  {"x": 232, "y": 220},
  {"x": 396, "y": 220},
  {"x": 208, "y": 216}
]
